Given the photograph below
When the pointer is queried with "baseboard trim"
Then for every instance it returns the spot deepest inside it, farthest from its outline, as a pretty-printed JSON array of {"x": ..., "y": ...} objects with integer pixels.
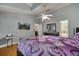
[{"x": 8, "y": 44}]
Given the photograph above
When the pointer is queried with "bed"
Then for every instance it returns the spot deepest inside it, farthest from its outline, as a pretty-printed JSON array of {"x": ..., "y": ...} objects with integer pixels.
[{"x": 49, "y": 46}]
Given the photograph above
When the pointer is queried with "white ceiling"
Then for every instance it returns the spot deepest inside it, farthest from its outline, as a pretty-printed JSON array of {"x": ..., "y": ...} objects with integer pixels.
[
  {"x": 29, "y": 4},
  {"x": 31, "y": 8},
  {"x": 51, "y": 6}
]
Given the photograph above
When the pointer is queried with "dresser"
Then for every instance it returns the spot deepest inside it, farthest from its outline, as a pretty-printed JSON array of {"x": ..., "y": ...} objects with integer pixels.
[{"x": 53, "y": 33}]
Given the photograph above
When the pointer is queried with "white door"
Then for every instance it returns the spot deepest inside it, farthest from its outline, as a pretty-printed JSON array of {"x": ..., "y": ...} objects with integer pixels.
[{"x": 64, "y": 28}]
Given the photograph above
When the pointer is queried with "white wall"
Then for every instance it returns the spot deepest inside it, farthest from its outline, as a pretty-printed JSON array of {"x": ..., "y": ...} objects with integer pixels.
[
  {"x": 9, "y": 24},
  {"x": 71, "y": 13}
]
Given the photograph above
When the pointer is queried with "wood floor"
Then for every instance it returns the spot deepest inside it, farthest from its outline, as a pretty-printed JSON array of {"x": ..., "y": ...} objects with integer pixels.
[{"x": 9, "y": 51}]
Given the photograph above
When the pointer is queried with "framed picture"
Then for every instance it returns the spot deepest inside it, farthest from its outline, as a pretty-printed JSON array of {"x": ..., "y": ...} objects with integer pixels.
[
  {"x": 51, "y": 27},
  {"x": 24, "y": 26}
]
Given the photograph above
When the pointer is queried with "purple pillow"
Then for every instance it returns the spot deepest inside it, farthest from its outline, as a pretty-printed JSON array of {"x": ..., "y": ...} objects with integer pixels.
[{"x": 76, "y": 36}]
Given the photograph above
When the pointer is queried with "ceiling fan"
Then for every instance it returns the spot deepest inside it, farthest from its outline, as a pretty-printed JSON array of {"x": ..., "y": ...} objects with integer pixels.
[{"x": 45, "y": 16}]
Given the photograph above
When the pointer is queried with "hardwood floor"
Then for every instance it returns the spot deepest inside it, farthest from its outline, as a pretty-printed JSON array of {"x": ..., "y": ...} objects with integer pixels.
[{"x": 9, "y": 51}]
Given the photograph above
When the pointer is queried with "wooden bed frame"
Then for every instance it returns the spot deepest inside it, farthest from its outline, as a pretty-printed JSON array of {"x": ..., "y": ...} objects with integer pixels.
[{"x": 19, "y": 53}]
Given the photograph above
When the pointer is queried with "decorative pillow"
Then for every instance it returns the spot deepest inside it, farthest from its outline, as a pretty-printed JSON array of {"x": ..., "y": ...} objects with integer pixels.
[{"x": 76, "y": 36}]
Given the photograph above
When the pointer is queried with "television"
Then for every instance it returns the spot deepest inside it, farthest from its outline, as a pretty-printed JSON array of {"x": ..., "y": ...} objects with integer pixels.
[
  {"x": 24, "y": 26},
  {"x": 77, "y": 30}
]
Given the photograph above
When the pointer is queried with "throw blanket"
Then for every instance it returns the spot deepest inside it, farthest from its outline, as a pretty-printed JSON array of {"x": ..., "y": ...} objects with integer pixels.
[{"x": 50, "y": 46}]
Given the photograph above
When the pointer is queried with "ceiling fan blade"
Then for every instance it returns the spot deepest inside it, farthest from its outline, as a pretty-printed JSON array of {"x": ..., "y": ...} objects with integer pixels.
[
  {"x": 50, "y": 15},
  {"x": 47, "y": 15}
]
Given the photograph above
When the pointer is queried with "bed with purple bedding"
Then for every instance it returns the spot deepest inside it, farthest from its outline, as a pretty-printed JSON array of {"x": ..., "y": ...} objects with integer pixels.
[{"x": 49, "y": 46}]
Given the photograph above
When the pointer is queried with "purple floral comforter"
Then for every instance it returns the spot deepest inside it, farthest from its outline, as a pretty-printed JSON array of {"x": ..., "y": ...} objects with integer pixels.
[{"x": 50, "y": 46}]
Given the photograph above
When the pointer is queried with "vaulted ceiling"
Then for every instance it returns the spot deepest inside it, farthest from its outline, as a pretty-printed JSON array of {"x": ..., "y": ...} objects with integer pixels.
[{"x": 31, "y": 8}]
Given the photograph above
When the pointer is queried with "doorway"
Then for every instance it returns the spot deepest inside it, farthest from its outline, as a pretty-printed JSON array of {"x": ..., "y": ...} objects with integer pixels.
[
  {"x": 64, "y": 28},
  {"x": 38, "y": 27}
]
